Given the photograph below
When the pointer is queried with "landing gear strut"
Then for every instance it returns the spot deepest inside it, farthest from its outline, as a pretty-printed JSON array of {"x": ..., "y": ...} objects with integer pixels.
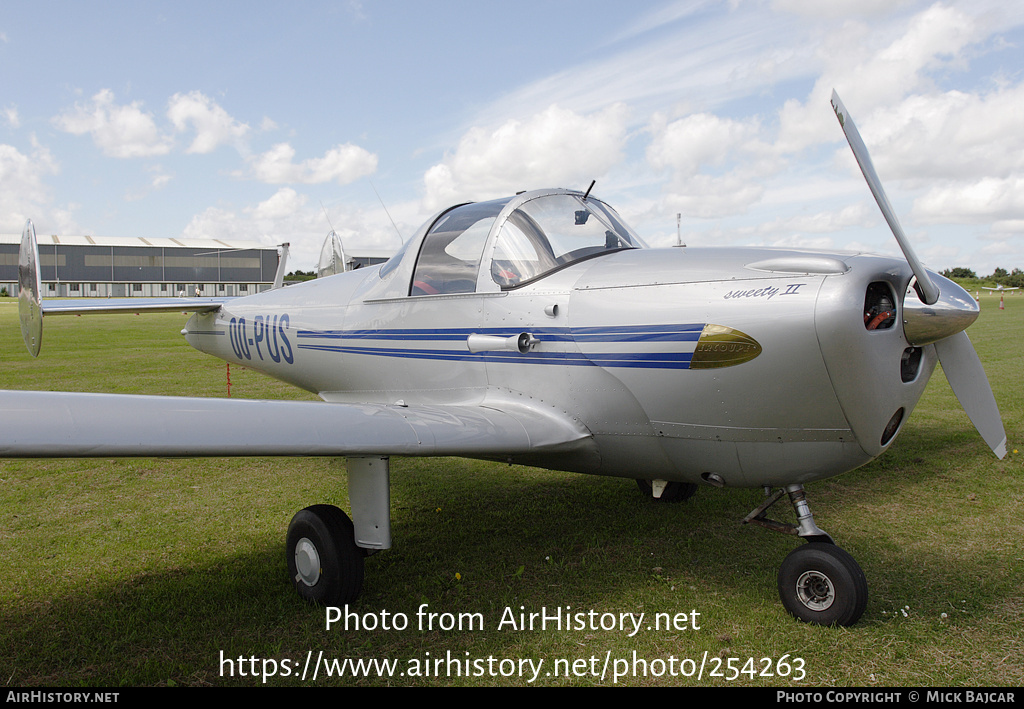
[{"x": 819, "y": 582}]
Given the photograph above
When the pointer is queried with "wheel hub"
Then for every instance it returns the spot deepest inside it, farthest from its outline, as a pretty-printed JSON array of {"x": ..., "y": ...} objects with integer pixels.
[
  {"x": 307, "y": 562},
  {"x": 815, "y": 590}
]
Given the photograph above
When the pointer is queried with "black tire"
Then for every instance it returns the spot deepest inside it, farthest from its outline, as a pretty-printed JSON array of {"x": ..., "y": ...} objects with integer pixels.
[
  {"x": 822, "y": 584},
  {"x": 673, "y": 492},
  {"x": 324, "y": 563}
]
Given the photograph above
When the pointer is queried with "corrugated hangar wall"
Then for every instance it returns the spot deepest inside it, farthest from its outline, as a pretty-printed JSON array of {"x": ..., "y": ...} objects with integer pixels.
[{"x": 87, "y": 266}]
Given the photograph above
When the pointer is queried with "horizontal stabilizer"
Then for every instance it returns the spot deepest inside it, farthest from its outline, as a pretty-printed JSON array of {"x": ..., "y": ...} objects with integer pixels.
[
  {"x": 32, "y": 308},
  {"x": 82, "y": 306}
]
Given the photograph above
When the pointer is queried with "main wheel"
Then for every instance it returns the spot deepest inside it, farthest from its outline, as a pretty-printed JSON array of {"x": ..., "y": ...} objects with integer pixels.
[
  {"x": 324, "y": 562},
  {"x": 822, "y": 584},
  {"x": 673, "y": 492}
]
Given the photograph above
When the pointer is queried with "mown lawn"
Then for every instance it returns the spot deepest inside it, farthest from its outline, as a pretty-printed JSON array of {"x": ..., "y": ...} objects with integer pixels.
[{"x": 153, "y": 571}]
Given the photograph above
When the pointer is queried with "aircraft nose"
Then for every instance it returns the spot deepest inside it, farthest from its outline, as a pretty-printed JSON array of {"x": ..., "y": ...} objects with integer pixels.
[{"x": 953, "y": 312}]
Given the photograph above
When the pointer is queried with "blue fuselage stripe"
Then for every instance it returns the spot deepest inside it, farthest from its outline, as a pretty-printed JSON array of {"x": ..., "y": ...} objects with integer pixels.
[{"x": 328, "y": 341}]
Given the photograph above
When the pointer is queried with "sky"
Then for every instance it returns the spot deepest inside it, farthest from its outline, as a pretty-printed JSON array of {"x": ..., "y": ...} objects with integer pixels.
[{"x": 276, "y": 122}]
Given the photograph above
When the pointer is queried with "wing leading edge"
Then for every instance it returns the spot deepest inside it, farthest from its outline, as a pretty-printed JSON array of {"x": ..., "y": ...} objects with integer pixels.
[{"x": 36, "y": 424}]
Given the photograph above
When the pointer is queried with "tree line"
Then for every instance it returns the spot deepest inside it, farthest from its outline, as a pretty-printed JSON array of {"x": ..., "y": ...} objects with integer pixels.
[{"x": 1000, "y": 276}]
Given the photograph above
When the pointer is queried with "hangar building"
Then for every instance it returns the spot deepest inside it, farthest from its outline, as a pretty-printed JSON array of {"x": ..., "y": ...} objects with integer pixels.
[{"x": 93, "y": 266}]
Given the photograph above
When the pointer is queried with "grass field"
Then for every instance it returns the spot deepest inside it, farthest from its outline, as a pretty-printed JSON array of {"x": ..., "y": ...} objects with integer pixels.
[{"x": 148, "y": 572}]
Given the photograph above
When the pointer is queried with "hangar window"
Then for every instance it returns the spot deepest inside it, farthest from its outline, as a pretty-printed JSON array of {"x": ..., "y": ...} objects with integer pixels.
[
  {"x": 552, "y": 232},
  {"x": 450, "y": 255}
]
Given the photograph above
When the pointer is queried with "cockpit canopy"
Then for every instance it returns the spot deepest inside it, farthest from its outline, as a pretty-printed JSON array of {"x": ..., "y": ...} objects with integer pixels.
[{"x": 520, "y": 239}]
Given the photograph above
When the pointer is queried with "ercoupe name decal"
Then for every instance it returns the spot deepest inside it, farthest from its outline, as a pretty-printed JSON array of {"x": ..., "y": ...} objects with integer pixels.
[
  {"x": 767, "y": 292},
  {"x": 269, "y": 337},
  {"x": 721, "y": 346}
]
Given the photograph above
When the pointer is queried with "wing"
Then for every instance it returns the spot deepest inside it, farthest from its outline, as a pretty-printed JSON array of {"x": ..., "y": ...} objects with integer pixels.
[
  {"x": 70, "y": 425},
  {"x": 36, "y": 424}
]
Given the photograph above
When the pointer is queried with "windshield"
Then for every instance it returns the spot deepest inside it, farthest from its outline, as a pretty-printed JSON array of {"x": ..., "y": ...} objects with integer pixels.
[{"x": 553, "y": 231}]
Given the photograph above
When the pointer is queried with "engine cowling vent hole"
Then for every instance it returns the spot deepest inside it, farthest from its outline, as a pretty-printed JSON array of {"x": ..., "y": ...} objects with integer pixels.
[
  {"x": 879, "y": 307},
  {"x": 910, "y": 364},
  {"x": 892, "y": 427}
]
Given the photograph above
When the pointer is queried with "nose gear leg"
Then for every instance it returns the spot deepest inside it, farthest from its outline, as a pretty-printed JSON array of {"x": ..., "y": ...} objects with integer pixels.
[
  {"x": 805, "y": 527},
  {"x": 818, "y": 582}
]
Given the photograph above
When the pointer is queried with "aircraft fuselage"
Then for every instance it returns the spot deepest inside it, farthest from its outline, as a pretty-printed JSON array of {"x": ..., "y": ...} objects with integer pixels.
[{"x": 790, "y": 386}]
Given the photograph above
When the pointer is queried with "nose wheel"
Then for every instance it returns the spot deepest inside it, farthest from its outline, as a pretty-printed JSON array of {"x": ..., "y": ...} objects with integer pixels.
[
  {"x": 822, "y": 584},
  {"x": 819, "y": 582}
]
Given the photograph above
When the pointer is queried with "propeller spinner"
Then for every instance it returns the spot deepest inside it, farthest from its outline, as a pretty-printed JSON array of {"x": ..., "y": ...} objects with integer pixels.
[{"x": 938, "y": 312}]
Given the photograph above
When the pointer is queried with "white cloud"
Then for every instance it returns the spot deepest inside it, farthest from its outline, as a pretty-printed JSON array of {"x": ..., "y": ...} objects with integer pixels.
[
  {"x": 695, "y": 54},
  {"x": 11, "y": 116},
  {"x": 159, "y": 180},
  {"x": 288, "y": 216},
  {"x": 934, "y": 37},
  {"x": 980, "y": 201},
  {"x": 965, "y": 152},
  {"x": 700, "y": 141},
  {"x": 23, "y": 194},
  {"x": 709, "y": 196},
  {"x": 127, "y": 131},
  {"x": 1009, "y": 226},
  {"x": 659, "y": 17},
  {"x": 124, "y": 131},
  {"x": 556, "y": 147},
  {"x": 838, "y": 9},
  {"x": 801, "y": 241},
  {"x": 687, "y": 144},
  {"x": 218, "y": 223},
  {"x": 952, "y": 135},
  {"x": 869, "y": 75},
  {"x": 212, "y": 124},
  {"x": 284, "y": 204},
  {"x": 823, "y": 222},
  {"x": 342, "y": 164}
]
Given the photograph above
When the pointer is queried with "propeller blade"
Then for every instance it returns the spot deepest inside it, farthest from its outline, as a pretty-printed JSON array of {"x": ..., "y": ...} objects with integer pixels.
[
  {"x": 956, "y": 354},
  {"x": 967, "y": 379},
  {"x": 928, "y": 290}
]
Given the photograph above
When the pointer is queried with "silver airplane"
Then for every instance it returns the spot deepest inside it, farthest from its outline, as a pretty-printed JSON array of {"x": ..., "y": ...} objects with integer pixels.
[{"x": 539, "y": 330}]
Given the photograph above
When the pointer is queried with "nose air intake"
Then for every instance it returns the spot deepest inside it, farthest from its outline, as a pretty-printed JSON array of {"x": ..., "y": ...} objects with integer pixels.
[{"x": 935, "y": 310}]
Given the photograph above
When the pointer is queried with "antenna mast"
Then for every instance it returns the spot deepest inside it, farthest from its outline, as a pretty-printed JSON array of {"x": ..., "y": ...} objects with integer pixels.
[{"x": 400, "y": 237}]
